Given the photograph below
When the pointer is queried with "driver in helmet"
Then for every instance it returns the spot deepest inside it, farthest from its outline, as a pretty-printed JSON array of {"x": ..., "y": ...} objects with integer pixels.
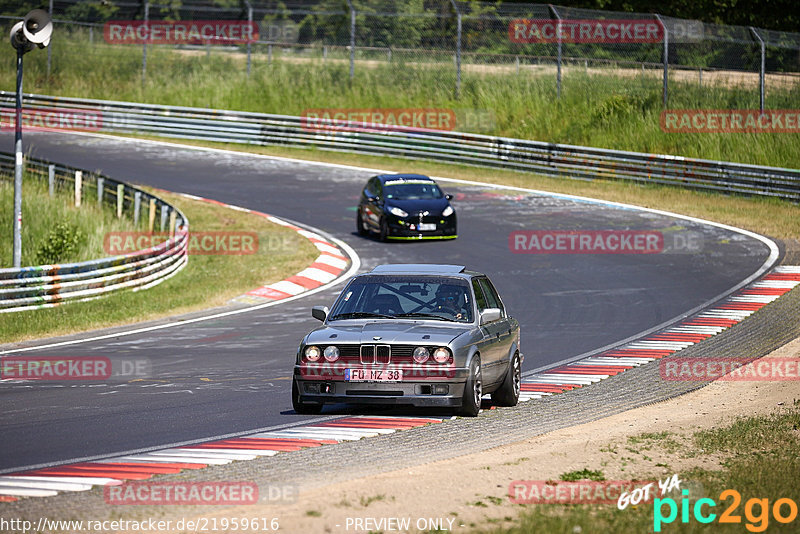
[{"x": 447, "y": 300}]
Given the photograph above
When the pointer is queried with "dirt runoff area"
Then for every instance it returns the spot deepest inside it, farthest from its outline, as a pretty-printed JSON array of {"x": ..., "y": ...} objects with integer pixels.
[{"x": 472, "y": 491}]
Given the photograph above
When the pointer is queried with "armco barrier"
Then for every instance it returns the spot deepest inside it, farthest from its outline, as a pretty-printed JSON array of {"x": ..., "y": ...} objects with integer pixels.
[
  {"x": 45, "y": 286},
  {"x": 456, "y": 147}
]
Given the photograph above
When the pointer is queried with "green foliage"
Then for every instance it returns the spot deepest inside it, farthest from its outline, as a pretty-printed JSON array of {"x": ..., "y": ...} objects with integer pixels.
[
  {"x": 60, "y": 244},
  {"x": 583, "y": 474}
]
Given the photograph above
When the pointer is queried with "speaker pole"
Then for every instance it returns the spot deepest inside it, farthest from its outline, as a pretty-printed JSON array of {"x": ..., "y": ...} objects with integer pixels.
[{"x": 18, "y": 167}]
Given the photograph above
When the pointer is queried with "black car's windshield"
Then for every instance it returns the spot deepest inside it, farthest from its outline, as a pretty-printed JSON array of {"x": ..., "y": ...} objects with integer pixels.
[
  {"x": 412, "y": 190},
  {"x": 405, "y": 296}
]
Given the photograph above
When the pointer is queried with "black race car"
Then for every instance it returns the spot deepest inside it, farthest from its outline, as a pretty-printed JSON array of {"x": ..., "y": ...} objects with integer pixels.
[{"x": 405, "y": 206}]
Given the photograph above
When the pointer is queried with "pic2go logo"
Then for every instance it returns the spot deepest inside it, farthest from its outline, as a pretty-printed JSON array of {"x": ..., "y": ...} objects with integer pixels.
[{"x": 756, "y": 511}]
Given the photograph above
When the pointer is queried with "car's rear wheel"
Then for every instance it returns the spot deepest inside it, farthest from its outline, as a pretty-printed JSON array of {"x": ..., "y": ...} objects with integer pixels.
[
  {"x": 473, "y": 390},
  {"x": 384, "y": 229},
  {"x": 362, "y": 230},
  {"x": 508, "y": 393},
  {"x": 301, "y": 407}
]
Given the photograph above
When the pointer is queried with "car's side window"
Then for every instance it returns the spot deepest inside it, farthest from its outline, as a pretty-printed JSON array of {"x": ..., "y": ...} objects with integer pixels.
[
  {"x": 480, "y": 299},
  {"x": 369, "y": 190},
  {"x": 492, "y": 298}
]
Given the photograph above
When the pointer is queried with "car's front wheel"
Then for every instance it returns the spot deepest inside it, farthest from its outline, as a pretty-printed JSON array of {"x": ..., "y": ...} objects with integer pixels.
[
  {"x": 508, "y": 393},
  {"x": 473, "y": 390},
  {"x": 301, "y": 407},
  {"x": 362, "y": 230},
  {"x": 384, "y": 229}
]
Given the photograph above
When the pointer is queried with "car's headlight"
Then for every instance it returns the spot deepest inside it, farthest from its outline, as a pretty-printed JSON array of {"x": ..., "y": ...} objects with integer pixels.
[
  {"x": 421, "y": 355},
  {"x": 441, "y": 355},
  {"x": 397, "y": 211},
  {"x": 312, "y": 353},
  {"x": 448, "y": 211},
  {"x": 331, "y": 353}
]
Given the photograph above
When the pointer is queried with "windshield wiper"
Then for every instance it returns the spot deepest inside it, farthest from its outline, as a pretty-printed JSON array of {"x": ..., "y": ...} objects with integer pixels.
[
  {"x": 359, "y": 315},
  {"x": 425, "y": 315}
]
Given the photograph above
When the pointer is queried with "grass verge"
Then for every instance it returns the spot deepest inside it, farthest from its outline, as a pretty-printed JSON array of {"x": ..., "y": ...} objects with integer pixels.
[
  {"x": 760, "y": 459},
  {"x": 206, "y": 281},
  {"x": 54, "y": 230}
]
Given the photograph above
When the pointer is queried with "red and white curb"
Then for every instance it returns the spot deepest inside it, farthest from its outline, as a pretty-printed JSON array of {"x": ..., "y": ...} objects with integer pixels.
[
  {"x": 83, "y": 476},
  {"x": 329, "y": 265},
  {"x": 710, "y": 322}
]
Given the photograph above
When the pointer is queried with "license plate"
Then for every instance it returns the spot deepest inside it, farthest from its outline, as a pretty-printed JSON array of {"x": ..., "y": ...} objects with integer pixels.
[
  {"x": 425, "y": 227},
  {"x": 372, "y": 375}
]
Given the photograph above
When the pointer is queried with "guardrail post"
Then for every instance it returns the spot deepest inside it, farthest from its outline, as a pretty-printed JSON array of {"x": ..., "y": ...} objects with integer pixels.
[
  {"x": 152, "y": 217},
  {"x": 120, "y": 199},
  {"x": 269, "y": 54},
  {"x": 761, "y": 76},
  {"x": 164, "y": 215},
  {"x": 352, "y": 38},
  {"x": 100, "y": 186},
  {"x": 172, "y": 217},
  {"x": 558, "y": 62},
  {"x": 51, "y": 178},
  {"x": 458, "y": 47},
  {"x": 324, "y": 52},
  {"x": 137, "y": 206},
  {"x": 664, "y": 91},
  {"x": 78, "y": 184}
]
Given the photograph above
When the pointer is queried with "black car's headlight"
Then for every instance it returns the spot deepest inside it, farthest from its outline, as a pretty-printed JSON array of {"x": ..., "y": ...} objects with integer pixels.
[
  {"x": 448, "y": 211},
  {"x": 397, "y": 211}
]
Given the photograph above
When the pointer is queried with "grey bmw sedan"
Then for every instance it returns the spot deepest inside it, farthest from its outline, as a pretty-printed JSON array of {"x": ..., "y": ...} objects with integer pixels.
[{"x": 415, "y": 334}]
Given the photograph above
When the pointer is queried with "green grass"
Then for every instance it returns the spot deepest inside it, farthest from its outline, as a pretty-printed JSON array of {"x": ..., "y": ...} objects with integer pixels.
[
  {"x": 762, "y": 459},
  {"x": 612, "y": 111},
  {"x": 583, "y": 474},
  {"x": 41, "y": 214},
  {"x": 206, "y": 281}
]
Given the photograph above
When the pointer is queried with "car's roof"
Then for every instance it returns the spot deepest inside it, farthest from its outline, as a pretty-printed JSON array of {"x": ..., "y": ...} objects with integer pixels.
[
  {"x": 424, "y": 268},
  {"x": 386, "y": 177}
]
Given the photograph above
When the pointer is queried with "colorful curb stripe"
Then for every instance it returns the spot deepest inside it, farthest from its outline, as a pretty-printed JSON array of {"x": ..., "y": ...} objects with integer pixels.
[
  {"x": 113, "y": 471},
  {"x": 733, "y": 310},
  {"x": 328, "y": 266}
]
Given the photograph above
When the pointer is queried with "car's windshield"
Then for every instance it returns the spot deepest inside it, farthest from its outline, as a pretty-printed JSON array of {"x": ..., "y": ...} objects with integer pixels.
[
  {"x": 405, "y": 296},
  {"x": 412, "y": 190}
]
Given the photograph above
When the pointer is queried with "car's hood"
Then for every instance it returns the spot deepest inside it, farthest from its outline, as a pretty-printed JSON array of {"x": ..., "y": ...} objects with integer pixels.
[
  {"x": 434, "y": 205},
  {"x": 400, "y": 332}
]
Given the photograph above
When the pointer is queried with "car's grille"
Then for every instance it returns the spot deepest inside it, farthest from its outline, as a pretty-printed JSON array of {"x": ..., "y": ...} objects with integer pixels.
[{"x": 375, "y": 354}]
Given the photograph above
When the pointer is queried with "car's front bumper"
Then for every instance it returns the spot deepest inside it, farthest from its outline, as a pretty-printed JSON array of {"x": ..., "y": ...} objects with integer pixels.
[
  {"x": 420, "y": 392},
  {"x": 407, "y": 228}
]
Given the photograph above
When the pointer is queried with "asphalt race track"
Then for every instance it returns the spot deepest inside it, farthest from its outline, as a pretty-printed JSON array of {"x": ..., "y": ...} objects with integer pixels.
[{"x": 232, "y": 374}]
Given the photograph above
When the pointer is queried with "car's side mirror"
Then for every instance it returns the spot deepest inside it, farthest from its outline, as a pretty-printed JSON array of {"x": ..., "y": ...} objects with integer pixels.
[
  {"x": 319, "y": 312},
  {"x": 448, "y": 196},
  {"x": 490, "y": 315}
]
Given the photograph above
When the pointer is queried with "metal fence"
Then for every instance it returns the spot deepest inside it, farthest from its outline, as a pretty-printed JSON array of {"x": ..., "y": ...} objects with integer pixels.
[
  {"x": 44, "y": 286},
  {"x": 438, "y": 145},
  {"x": 458, "y": 40}
]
